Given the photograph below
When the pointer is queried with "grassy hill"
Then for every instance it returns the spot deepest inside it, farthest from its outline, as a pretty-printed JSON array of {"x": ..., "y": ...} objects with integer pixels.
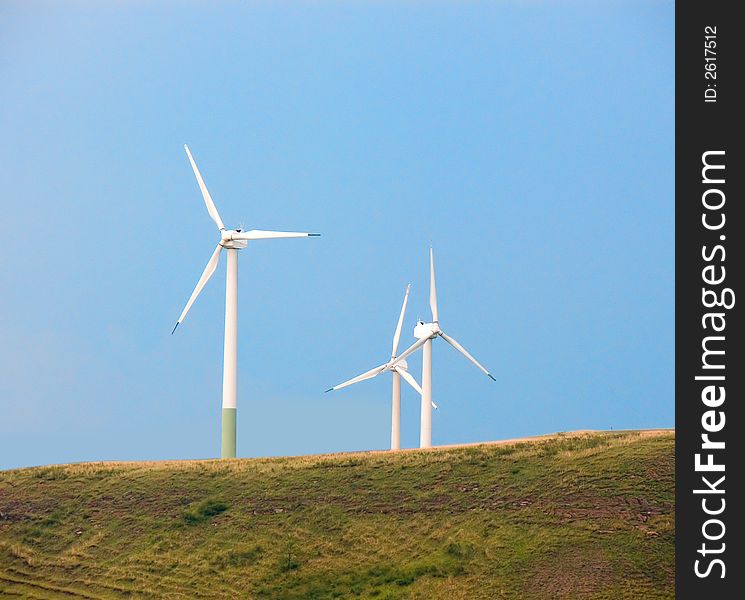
[{"x": 586, "y": 515}]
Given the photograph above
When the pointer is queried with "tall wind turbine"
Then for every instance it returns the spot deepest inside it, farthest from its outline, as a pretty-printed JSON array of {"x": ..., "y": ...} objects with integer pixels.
[
  {"x": 398, "y": 369},
  {"x": 231, "y": 240},
  {"x": 426, "y": 332}
]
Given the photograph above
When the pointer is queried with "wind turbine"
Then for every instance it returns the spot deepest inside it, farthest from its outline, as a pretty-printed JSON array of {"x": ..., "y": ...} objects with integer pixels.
[
  {"x": 398, "y": 369},
  {"x": 426, "y": 332},
  {"x": 231, "y": 240}
]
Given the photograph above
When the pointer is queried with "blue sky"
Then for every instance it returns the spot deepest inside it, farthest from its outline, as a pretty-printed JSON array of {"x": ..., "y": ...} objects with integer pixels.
[{"x": 530, "y": 142}]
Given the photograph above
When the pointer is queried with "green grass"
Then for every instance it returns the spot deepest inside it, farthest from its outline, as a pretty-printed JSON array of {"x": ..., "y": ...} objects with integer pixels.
[{"x": 573, "y": 516}]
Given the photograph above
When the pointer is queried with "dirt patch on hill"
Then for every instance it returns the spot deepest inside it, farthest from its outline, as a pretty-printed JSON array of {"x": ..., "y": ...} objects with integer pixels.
[{"x": 573, "y": 574}]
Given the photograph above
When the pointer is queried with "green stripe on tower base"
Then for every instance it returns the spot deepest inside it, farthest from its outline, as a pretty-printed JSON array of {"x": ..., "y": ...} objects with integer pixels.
[{"x": 228, "y": 433}]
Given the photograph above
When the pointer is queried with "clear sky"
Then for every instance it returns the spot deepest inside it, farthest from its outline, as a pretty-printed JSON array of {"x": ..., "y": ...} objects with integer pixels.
[{"x": 530, "y": 142}]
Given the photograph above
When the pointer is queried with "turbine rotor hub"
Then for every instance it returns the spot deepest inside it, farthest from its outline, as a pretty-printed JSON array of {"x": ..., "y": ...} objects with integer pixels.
[
  {"x": 227, "y": 241},
  {"x": 426, "y": 330},
  {"x": 401, "y": 364}
]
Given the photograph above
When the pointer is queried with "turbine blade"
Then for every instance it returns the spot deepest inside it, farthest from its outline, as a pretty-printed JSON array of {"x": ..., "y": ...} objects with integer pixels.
[
  {"x": 411, "y": 349},
  {"x": 412, "y": 382},
  {"x": 206, "y": 274},
  {"x": 366, "y": 375},
  {"x": 211, "y": 209},
  {"x": 409, "y": 378},
  {"x": 432, "y": 287},
  {"x": 465, "y": 353},
  {"x": 397, "y": 335},
  {"x": 259, "y": 234}
]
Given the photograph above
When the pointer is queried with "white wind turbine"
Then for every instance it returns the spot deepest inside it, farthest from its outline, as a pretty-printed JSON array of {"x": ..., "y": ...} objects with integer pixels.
[
  {"x": 231, "y": 240},
  {"x": 426, "y": 332},
  {"x": 398, "y": 369}
]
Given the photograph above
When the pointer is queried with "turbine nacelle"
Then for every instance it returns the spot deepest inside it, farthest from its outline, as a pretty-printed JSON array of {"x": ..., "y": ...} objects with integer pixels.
[
  {"x": 402, "y": 364},
  {"x": 227, "y": 239},
  {"x": 424, "y": 330}
]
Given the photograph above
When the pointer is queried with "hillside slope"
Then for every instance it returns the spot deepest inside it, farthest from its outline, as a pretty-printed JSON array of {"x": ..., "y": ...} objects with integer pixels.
[{"x": 578, "y": 516}]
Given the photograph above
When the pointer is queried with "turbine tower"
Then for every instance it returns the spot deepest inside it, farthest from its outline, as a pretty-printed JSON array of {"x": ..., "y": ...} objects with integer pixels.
[
  {"x": 426, "y": 332},
  {"x": 398, "y": 369},
  {"x": 231, "y": 240}
]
